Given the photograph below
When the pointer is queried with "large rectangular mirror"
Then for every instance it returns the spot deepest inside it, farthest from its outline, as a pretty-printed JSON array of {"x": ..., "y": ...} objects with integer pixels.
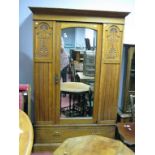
[{"x": 77, "y": 70}]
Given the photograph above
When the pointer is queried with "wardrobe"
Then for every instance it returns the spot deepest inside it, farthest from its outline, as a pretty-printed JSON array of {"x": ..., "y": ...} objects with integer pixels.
[{"x": 52, "y": 126}]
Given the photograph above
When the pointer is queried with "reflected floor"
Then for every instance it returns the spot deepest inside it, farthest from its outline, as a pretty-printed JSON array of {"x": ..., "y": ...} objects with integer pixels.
[{"x": 76, "y": 109}]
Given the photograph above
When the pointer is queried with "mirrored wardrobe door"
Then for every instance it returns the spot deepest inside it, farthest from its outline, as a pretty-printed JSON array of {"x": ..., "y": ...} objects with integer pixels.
[{"x": 77, "y": 70}]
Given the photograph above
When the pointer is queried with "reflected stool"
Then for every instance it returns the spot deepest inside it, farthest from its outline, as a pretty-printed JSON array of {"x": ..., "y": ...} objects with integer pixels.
[{"x": 76, "y": 89}]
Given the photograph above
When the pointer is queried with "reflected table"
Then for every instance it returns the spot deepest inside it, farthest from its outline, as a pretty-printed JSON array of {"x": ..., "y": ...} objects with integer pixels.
[
  {"x": 92, "y": 145},
  {"x": 84, "y": 78},
  {"x": 78, "y": 89}
]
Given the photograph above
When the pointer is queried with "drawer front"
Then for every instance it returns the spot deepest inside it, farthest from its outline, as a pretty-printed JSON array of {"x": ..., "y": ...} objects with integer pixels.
[{"x": 57, "y": 134}]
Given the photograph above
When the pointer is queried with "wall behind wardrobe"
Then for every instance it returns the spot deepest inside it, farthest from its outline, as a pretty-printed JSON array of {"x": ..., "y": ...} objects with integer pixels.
[{"x": 26, "y": 34}]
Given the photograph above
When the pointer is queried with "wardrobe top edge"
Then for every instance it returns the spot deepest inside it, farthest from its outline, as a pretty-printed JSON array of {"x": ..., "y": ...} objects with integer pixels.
[{"x": 78, "y": 12}]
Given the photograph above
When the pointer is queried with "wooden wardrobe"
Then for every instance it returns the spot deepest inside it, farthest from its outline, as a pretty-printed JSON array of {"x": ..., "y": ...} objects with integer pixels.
[{"x": 49, "y": 128}]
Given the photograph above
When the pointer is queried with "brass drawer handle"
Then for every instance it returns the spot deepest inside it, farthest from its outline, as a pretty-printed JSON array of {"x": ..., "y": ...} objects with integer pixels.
[
  {"x": 57, "y": 133},
  {"x": 65, "y": 153}
]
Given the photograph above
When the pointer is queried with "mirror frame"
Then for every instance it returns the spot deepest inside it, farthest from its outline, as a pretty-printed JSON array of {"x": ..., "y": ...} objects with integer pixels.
[{"x": 98, "y": 29}]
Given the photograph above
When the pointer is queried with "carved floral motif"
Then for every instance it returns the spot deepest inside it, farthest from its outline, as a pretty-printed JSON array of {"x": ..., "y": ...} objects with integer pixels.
[
  {"x": 113, "y": 43},
  {"x": 43, "y": 35}
]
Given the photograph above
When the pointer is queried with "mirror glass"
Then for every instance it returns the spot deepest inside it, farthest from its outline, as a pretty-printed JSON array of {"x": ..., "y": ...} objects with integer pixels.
[{"x": 77, "y": 71}]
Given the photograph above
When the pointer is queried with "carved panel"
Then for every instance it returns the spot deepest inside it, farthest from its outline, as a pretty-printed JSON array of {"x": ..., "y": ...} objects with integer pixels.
[
  {"x": 112, "y": 43},
  {"x": 43, "y": 41}
]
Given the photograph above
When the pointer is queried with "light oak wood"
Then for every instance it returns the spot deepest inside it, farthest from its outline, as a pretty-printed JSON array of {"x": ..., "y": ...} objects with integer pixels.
[
  {"x": 49, "y": 129},
  {"x": 51, "y": 147},
  {"x": 44, "y": 107},
  {"x": 109, "y": 86},
  {"x": 83, "y": 25},
  {"x": 112, "y": 44},
  {"x": 84, "y": 19},
  {"x": 25, "y": 134},
  {"x": 58, "y": 133},
  {"x": 42, "y": 41},
  {"x": 92, "y": 145}
]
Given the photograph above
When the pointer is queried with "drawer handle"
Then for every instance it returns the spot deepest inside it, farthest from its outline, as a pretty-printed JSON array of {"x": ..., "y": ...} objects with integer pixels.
[
  {"x": 57, "y": 133},
  {"x": 65, "y": 153}
]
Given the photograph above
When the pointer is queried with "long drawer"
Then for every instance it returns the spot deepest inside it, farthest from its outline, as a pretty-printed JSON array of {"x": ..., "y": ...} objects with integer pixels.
[{"x": 58, "y": 133}]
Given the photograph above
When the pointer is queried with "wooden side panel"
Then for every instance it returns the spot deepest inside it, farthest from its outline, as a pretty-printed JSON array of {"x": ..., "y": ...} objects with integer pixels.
[
  {"x": 110, "y": 71},
  {"x": 43, "y": 71},
  {"x": 44, "y": 106},
  {"x": 109, "y": 91}
]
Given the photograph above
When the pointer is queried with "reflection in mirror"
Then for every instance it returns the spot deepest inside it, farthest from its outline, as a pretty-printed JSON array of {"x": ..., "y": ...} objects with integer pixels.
[{"x": 77, "y": 56}]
